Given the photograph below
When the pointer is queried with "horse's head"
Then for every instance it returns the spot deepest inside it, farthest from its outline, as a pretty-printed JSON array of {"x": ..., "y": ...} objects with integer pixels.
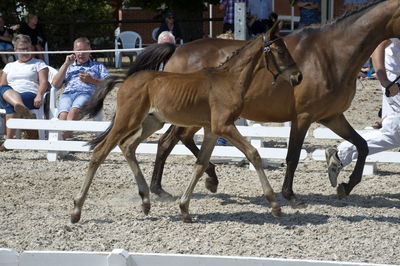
[{"x": 278, "y": 59}]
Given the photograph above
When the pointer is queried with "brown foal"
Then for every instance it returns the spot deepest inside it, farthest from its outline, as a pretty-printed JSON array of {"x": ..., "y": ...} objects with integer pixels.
[{"x": 211, "y": 98}]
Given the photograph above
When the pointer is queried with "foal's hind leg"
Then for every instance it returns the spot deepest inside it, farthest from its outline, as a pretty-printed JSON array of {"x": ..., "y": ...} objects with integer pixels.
[
  {"x": 100, "y": 152},
  {"x": 231, "y": 133},
  {"x": 129, "y": 145},
  {"x": 199, "y": 168}
]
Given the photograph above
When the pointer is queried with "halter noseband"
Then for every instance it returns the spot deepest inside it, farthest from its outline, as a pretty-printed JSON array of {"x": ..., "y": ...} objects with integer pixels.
[{"x": 267, "y": 50}]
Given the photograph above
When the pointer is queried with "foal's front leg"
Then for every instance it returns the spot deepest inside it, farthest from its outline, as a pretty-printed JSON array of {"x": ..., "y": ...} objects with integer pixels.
[
  {"x": 231, "y": 133},
  {"x": 201, "y": 165}
]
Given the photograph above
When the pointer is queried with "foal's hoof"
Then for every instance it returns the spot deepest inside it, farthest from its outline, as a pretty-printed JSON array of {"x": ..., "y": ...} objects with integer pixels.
[
  {"x": 341, "y": 191},
  {"x": 186, "y": 218},
  {"x": 75, "y": 215},
  {"x": 276, "y": 212},
  {"x": 146, "y": 207},
  {"x": 211, "y": 185}
]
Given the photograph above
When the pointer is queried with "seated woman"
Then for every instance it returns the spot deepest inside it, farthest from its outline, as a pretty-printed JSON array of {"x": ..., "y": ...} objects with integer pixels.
[{"x": 22, "y": 83}]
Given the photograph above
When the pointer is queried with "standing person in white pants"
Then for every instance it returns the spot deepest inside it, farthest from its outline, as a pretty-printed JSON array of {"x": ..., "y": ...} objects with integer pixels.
[{"x": 386, "y": 61}]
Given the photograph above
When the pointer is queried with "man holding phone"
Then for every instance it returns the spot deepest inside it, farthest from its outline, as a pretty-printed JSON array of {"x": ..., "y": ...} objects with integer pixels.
[{"x": 80, "y": 75}]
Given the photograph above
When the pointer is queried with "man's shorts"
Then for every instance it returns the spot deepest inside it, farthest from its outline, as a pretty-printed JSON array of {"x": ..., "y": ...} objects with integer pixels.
[
  {"x": 69, "y": 100},
  {"x": 27, "y": 99}
]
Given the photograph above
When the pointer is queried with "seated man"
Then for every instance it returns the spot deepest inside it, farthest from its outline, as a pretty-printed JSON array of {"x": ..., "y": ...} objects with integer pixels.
[{"x": 81, "y": 75}]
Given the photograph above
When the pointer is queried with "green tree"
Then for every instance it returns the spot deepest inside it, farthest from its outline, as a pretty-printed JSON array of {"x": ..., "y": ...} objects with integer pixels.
[
  {"x": 184, "y": 10},
  {"x": 65, "y": 20}
]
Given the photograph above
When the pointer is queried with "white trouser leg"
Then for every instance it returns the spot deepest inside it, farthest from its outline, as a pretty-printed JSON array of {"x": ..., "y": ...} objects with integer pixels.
[{"x": 386, "y": 138}]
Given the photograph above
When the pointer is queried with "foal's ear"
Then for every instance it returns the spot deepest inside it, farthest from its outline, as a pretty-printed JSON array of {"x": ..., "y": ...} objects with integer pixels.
[{"x": 274, "y": 31}]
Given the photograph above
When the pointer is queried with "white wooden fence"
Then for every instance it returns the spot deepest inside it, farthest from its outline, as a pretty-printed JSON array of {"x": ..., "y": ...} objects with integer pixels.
[
  {"x": 120, "y": 257},
  {"x": 54, "y": 145}
]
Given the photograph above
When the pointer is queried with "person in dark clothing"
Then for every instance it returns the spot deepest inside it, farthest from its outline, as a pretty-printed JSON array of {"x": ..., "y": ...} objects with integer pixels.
[
  {"x": 33, "y": 29},
  {"x": 169, "y": 24}
]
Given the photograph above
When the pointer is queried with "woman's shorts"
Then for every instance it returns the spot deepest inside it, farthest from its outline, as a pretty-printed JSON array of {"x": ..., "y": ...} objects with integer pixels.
[
  {"x": 69, "y": 100},
  {"x": 27, "y": 98}
]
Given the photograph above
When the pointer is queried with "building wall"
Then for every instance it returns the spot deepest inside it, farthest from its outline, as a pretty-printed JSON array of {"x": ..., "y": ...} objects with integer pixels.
[{"x": 282, "y": 7}]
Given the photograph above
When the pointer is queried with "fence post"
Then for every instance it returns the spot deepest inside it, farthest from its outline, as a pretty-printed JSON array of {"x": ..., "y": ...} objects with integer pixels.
[
  {"x": 120, "y": 257},
  {"x": 240, "y": 21},
  {"x": 9, "y": 257}
]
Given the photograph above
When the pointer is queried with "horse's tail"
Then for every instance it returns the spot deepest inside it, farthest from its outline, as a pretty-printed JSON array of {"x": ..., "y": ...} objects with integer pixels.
[
  {"x": 99, "y": 138},
  {"x": 152, "y": 57},
  {"x": 95, "y": 103}
]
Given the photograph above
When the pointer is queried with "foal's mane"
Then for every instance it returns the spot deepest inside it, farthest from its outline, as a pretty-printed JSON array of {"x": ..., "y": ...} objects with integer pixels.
[
  {"x": 343, "y": 17},
  {"x": 234, "y": 54}
]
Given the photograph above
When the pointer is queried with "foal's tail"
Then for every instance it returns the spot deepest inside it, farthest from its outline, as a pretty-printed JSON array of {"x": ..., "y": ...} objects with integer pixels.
[
  {"x": 95, "y": 103},
  {"x": 99, "y": 138},
  {"x": 152, "y": 57}
]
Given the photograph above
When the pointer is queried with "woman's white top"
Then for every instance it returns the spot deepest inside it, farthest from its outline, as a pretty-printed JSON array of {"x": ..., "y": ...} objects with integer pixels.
[{"x": 24, "y": 77}]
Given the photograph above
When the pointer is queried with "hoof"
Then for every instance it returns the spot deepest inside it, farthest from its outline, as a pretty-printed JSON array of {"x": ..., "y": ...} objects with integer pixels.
[
  {"x": 75, "y": 216},
  {"x": 187, "y": 219},
  {"x": 276, "y": 212},
  {"x": 341, "y": 191},
  {"x": 146, "y": 208},
  {"x": 297, "y": 204},
  {"x": 211, "y": 185}
]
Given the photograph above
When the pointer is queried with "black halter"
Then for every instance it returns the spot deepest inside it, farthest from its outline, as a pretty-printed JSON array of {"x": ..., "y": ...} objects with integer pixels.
[{"x": 267, "y": 50}]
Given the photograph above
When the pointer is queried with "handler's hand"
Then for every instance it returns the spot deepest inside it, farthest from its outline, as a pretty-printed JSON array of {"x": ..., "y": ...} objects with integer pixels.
[{"x": 394, "y": 90}]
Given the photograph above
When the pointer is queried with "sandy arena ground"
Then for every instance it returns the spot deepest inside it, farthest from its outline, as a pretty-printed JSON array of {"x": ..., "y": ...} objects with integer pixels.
[{"x": 36, "y": 199}]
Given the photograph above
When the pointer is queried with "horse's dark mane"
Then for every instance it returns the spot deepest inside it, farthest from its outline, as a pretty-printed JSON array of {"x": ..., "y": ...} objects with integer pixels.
[
  {"x": 152, "y": 57},
  {"x": 344, "y": 16}
]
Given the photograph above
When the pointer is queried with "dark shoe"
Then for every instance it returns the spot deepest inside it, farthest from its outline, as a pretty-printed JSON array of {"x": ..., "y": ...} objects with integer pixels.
[
  {"x": 334, "y": 165},
  {"x": 377, "y": 125},
  {"x": 23, "y": 111}
]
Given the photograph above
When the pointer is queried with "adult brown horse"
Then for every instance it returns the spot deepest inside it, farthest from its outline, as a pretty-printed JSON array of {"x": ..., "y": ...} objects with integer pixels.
[
  {"x": 329, "y": 56},
  {"x": 147, "y": 99}
]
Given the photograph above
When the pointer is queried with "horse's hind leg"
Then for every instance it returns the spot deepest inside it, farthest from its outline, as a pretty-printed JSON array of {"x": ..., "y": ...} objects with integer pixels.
[
  {"x": 100, "y": 152},
  {"x": 231, "y": 133},
  {"x": 199, "y": 168},
  {"x": 129, "y": 145},
  {"x": 341, "y": 126},
  {"x": 165, "y": 145}
]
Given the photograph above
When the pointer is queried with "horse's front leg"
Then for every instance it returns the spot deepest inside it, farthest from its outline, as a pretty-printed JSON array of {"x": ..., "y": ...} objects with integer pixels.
[
  {"x": 341, "y": 126},
  {"x": 298, "y": 132}
]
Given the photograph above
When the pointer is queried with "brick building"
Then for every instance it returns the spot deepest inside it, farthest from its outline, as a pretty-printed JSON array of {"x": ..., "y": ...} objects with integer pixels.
[{"x": 143, "y": 22}]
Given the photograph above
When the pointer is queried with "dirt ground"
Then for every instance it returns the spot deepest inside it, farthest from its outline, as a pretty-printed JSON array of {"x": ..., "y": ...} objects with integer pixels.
[{"x": 36, "y": 199}]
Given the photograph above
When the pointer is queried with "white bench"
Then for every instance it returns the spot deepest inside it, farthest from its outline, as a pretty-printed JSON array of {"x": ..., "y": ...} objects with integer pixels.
[
  {"x": 53, "y": 145},
  {"x": 370, "y": 163}
]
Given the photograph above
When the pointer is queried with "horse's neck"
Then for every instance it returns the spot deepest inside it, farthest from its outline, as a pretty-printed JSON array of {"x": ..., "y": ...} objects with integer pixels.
[{"x": 348, "y": 43}]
